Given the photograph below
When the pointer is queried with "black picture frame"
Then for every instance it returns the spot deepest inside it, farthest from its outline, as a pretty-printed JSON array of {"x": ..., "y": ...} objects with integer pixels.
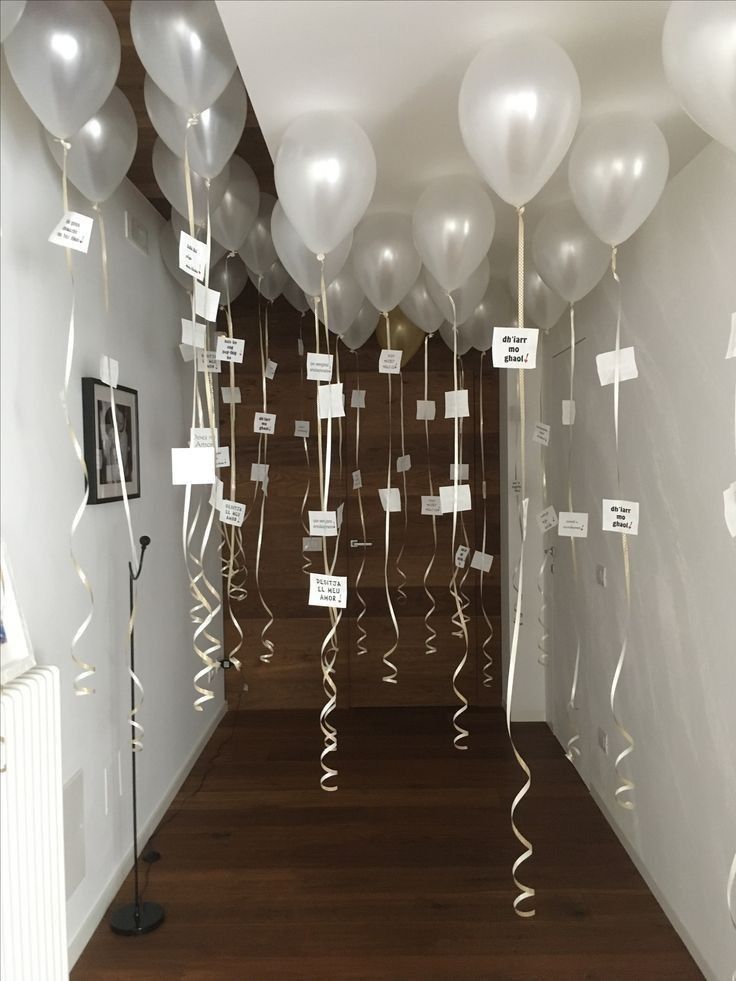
[{"x": 99, "y": 441}]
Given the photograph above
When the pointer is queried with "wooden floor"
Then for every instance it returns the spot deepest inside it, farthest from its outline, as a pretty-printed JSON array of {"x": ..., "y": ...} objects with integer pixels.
[{"x": 403, "y": 873}]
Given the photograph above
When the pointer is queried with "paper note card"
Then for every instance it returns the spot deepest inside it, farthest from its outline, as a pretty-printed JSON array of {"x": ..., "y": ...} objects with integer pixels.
[
  {"x": 392, "y": 495},
  {"x": 357, "y": 398},
  {"x": 547, "y": 519},
  {"x": 461, "y": 555},
  {"x": 264, "y": 422},
  {"x": 193, "y": 333},
  {"x": 311, "y": 543},
  {"x": 232, "y": 513},
  {"x": 270, "y": 370},
  {"x": 193, "y": 465},
  {"x": 323, "y": 523},
  {"x": 573, "y": 524},
  {"x": 187, "y": 352},
  {"x": 222, "y": 456},
  {"x": 73, "y": 232},
  {"x": 447, "y": 498},
  {"x": 456, "y": 404},
  {"x": 431, "y": 504},
  {"x": 568, "y": 412},
  {"x": 357, "y": 479},
  {"x": 330, "y": 401},
  {"x": 621, "y": 516},
  {"x": 426, "y": 409},
  {"x": 201, "y": 437},
  {"x": 481, "y": 561},
  {"x": 259, "y": 472},
  {"x": 515, "y": 347},
  {"x": 301, "y": 427},
  {"x": 319, "y": 367},
  {"x": 731, "y": 349},
  {"x": 403, "y": 463},
  {"x": 328, "y": 590},
  {"x": 729, "y": 508},
  {"x": 193, "y": 256},
  {"x": 389, "y": 362},
  {"x": 207, "y": 361},
  {"x": 206, "y": 302},
  {"x": 216, "y": 494},
  {"x": 541, "y": 433},
  {"x": 109, "y": 371},
  {"x": 230, "y": 349},
  {"x": 463, "y": 471},
  {"x": 606, "y": 364}
]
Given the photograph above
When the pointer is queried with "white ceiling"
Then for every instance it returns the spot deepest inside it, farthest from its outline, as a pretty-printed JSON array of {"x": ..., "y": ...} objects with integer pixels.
[{"x": 396, "y": 67}]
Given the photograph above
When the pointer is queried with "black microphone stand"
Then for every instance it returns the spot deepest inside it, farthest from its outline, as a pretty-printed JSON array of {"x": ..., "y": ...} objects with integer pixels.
[{"x": 136, "y": 917}]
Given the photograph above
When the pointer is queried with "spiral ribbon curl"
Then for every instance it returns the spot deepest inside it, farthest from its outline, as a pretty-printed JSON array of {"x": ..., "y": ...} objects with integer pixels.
[
  {"x": 391, "y": 670},
  {"x": 431, "y": 634}
]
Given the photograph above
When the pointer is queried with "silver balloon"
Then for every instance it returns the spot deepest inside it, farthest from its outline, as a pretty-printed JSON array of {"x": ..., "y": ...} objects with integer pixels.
[
  {"x": 466, "y": 297},
  {"x": 257, "y": 251},
  {"x": 419, "y": 306},
  {"x": 213, "y": 139},
  {"x": 617, "y": 171},
  {"x": 519, "y": 107},
  {"x": 361, "y": 328},
  {"x": 542, "y": 304},
  {"x": 184, "y": 48},
  {"x": 270, "y": 283},
  {"x": 64, "y": 58},
  {"x": 453, "y": 225},
  {"x": 298, "y": 261},
  {"x": 384, "y": 258},
  {"x": 496, "y": 309},
  {"x": 102, "y": 150},
  {"x": 169, "y": 172},
  {"x": 699, "y": 55},
  {"x": 344, "y": 300},
  {"x": 568, "y": 256},
  {"x": 168, "y": 247},
  {"x": 10, "y": 14},
  {"x": 180, "y": 224},
  {"x": 229, "y": 277},
  {"x": 463, "y": 343},
  {"x": 234, "y": 216},
  {"x": 325, "y": 172},
  {"x": 295, "y": 295}
]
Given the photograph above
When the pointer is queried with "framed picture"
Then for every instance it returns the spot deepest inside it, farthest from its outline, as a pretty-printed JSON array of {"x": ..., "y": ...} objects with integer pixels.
[{"x": 100, "y": 453}]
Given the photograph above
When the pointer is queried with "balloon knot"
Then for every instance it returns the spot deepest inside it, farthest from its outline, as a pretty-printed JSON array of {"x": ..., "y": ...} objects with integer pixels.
[
  {"x": 65, "y": 143},
  {"x": 520, "y": 211},
  {"x": 320, "y": 257},
  {"x": 231, "y": 255},
  {"x": 193, "y": 120}
]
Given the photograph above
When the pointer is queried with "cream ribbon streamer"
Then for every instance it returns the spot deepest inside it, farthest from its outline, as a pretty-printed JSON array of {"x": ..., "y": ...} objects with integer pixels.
[
  {"x": 265, "y": 641},
  {"x": 543, "y": 657},
  {"x": 400, "y": 591},
  {"x": 306, "y": 561},
  {"x": 487, "y": 640},
  {"x": 573, "y": 748},
  {"x": 464, "y": 598},
  {"x": 361, "y": 647},
  {"x": 431, "y": 636},
  {"x": 391, "y": 670}
]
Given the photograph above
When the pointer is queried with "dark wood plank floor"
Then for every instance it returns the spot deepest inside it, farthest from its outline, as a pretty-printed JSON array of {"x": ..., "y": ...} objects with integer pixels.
[{"x": 403, "y": 873}]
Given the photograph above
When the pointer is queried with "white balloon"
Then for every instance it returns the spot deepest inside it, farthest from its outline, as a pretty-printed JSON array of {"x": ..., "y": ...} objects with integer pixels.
[
  {"x": 494, "y": 310},
  {"x": 617, "y": 171},
  {"x": 229, "y": 278},
  {"x": 519, "y": 107},
  {"x": 270, "y": 283},
  {"x": 569, "y": 257},
  {"x": 301, "y": 264},
  {"x": 257, "y": 251},
  {"x": 699, "y": 55},
  {"x": 295, "y": 295},
  {"x": 344, "y": 300},
  {"x": 10, "y": 14},
  {"x": 541, "y": 304},
  {"x": 384, "y": 258},
  {"x": 362, "y": 327},
  {"x": 234, "y": 216},
  {"x": 325, "y": 172},
  {"x": 168, "y": 170},
  {"x": 466, "y": 298},
  {"x": 419, "y": 306},
  {"x": 463, "y": 343}
]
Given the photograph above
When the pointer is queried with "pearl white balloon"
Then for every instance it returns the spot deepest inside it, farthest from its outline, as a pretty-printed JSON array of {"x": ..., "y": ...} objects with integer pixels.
[
  {"x": 229, "y": 278},
  {"x": 699, "y": 55},
  {"x": 10, "y": 14},
  {"x": 466, "y": 297},
  {"x": 362, "y": 327},
  {"x": 617, "y": 171},
  {"x": 295, "y": 295},
  {"x": 301, "y": 264},
  {"x": 344, "y": 300},
  {"x": 258, "y": 251},
  {"x": 385, "y": 261},
  {"x": 271, "y": 282},
  {"x": 496, "y": 309},
  {"x": 419, "y": 306},
  {"x": 453, "y": 228},
  {"x": 569, "y": 257},
  {"x": 541, "y": 304},
  {"x": 463, "y": 343},
  {"x": 168, "y": 170},
  {"x": 234, "y": 216},
  {"x": 325, "y": 172}
]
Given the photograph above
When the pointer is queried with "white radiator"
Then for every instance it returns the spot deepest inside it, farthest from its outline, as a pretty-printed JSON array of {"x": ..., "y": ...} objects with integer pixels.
[{"x": 32, "y": 894}]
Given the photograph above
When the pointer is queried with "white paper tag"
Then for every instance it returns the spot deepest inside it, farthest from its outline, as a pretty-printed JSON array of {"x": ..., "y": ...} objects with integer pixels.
[
  {"x": 259, "y": 472},
  {"x": 572, "y": 524},
  {"x": 323, "y": 523},
  {"x": 621, "y": 516},
  {"x": 193, "y": 333},
  {"x": 389, "y": 362},
  {"x": 392, "y": 495},
  {"x": 339, "y": 514},
  {"x": 461, "y": 555},
  {"x": 270, "y": 370},
  {"x": 426, "y": 409},
  {"x": 568, "y": 412},
  {"x": 232, "y": 513},
  {"x": 330, "y": 401},
  {"x": 541, "y": 433},
  {"x": 547, "y": 519},
  {"x": 109, "y": 371},
  {"x": 515, "y": 347},
  {"x": 301, "y": 427},
  {"x": 447, "y": 498},
  {"x": 200, "y": 437},
  {"x": 729, "y": 508},
  {"x": 193, "y": 256},
  {"x": 731, "y": 349},
  {"x": 357, "y": 480},
  {"x": 216, "y": 494},
  {"x": 311, "y": 543},
  {"x": 187, "y": 352},
  {"x": 463, "y": 471},
  {"x": 230, "y": 349},
  {"x": 456, "y": 404},
  {"x": 222, "y": 456},
  {"x": 481, "y": 561},
  {"x": 431, "y": 504},
  {"x": 328, "y": 590},
  {"x": 606, "y": 365},
  {"x": 403, "y": 463},
  {"x": 230, "y": 396},
  {"x": 193, "y": 465},
  {"x": 300, "y": 347},
  {"x": 73, "y": 232},
  {"x": 206, "y": 302},
  {"x": 264, "y": 422},
  {"x": 357, "y": 398},
  {"x": 319, "y": 367},
  {"x": 207, "y": 361}
]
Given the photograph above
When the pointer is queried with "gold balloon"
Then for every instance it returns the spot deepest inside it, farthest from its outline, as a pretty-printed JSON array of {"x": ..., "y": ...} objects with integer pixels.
[{"x": 405, "y": 335}]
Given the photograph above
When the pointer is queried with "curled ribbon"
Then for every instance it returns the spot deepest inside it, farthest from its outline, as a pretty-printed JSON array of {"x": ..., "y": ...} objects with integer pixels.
[
  {"x": 391, "y": 670},
  {"x": 361, "y": 647},
  {"x": 306, "y": 561},
  {"x": 541, "y": 575},
  {"x": 431, "y": 636},
  {"x": 401, "y": 592},
  {"x": 573, "y": 748},
  {"x": 265, "y": 641},
  {"x": 487, "y": 640}
]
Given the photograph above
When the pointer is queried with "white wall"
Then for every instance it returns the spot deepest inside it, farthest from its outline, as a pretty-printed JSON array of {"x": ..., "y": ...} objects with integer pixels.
[
  {"x": 677, "y": 694},
  {"x": 42, "y": 485}
]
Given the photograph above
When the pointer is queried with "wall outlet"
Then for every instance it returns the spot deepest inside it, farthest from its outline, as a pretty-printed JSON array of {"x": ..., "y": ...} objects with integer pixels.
[
  {"x": 603, "y": 740},
  {"x": 136, "y": 233},
  {"x": 600, "y": 575}
]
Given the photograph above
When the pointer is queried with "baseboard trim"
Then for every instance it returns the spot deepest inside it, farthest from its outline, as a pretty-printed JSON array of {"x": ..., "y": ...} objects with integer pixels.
[{"x": 94, "y": 917}]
